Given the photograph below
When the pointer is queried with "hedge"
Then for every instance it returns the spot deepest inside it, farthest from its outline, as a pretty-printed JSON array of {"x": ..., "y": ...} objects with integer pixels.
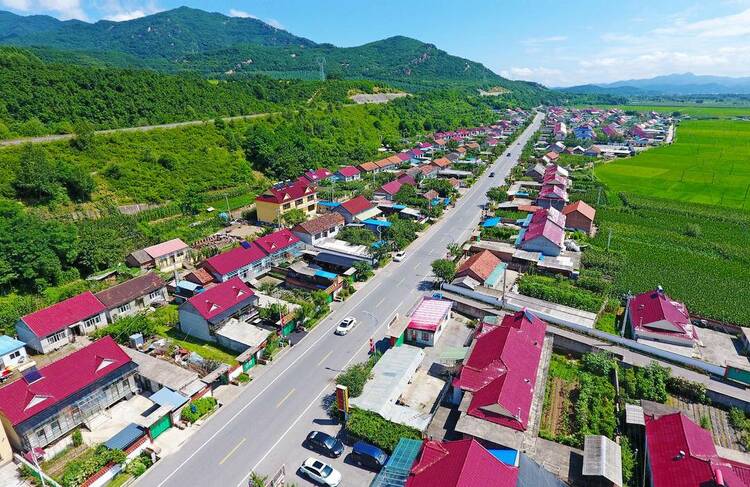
[
  {"x": 197, "y": 409},
  {"x": 559, "y": 292},
  {"x": 377, "y": 430}
]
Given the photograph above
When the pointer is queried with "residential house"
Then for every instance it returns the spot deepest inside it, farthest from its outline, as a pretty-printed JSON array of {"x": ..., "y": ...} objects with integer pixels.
[
  {"x": 280, "y": 246},
  {"x": 166, "y": 256},
  {"x": 315, "y": 176},
  {"x": 579, "y": 216},
  {"x": 536, "y": 172},
  {"x": 557, "y": 147},
  {"x": 551, "y": 196},
  {"x": 576, "y": 151},
  {"x": 593, "y": 151},
  {"x": 472, "y": 146},
  {"x": 545, "y": 233},
  {"x": 655, "y": 316},
  {"x": 200, "y": 276},
  {"x": 369, "y": 167},
  {"x": 679, "y": 453},
  {"x": 324, "y": 226},
  {"x": 206, "y": 313},
  {"x": 48, "y": 403},
  {"x": 55, "y": 326},
  {"x": 429, "y": 171},
  {"x": 388, "y": 190},
  {"x": 283, "y": 197},
  {"x": 551, "y": 157},
  {"x": 247, "y": 261},
  {"x": 427, "y": 321},
  {"x": 459, "y": 463},
  {"x": 133, "y": 296},
  {"x": 440, "y": 144},
  {"x": 477, "y": 268},
  {"x": 357, "y": 209},
  {"x": 453, "y": 157},
  {"x": 560, "y": 131},
  {"x": 347, "y": 173},
  {"x": 584, "y": 132},
  {"x": 12, "y": 352},
  {"x": 302, "y": 275},
  {"x": 497, "y": 380},
  {"x": 554, "y": 178},
  {"x": 441, "y": 163}
]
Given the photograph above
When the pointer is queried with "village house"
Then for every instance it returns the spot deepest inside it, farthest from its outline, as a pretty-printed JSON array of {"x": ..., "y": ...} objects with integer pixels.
[
  {"x": 304, "y": 276},
  {"x": 166, "y": 256},
  {"x": 323, "y": 226},
  {"x": 584, "y": 133},
  {"x": 199, "y": 276},
  {"x": 579, "y": 216},
  {"x": 551, "y": 157},
  {"x": 315, "y": 176},
  {"x": 133, "y": 296},
  {"x": 427, "y": 321},
  {"x": 477, "y": 269},
  {"x": 369, "y": 167},
  {"x": 357, "y": 209},
  {"x": 203, "y": 315},
  {"x": 55, "y": 326},
  {"x": 655, "y": 316},
  {"x": 48, "y": 403},
  {"x": 274, "y": 203},
  {"x": 545, "y": 233},
  {"x": 551, "y": 196},
  {"x": 280, "y": 246},
  {"x": 247, "y": 261},
  {"x": 12, "y": 352},
  {"x": 347, "y": 173},
  {"x": 536, "y": 172}
]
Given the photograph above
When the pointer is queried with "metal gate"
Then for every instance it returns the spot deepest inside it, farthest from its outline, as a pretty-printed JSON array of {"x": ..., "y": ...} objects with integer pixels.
[{"x": 160, "y": 427}]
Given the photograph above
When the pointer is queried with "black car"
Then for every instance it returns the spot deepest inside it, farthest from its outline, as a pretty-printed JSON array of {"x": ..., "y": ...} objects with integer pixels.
[
  {"x": 324, "y": 443},
  {"x": 492, "y": 174},
  {"x": 368, "y": 456}
]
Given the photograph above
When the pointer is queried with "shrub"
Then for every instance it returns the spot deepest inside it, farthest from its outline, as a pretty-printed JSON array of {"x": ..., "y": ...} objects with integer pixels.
[
  {"x": 243, "y": 378},
  {"x": 356, "y": 375},
  {"x": 77, "y": 438},
  {"x": 706, "y": 423},
  {"x": 374, "y": 429},
  {"x": 599, "y": 363},
  {"x": 648, "y": 383},
  {"x": 628, "y": 460},
  {"x": 688, "y": 389},
  {"x": 80, "y": 469},
  {"x": 197, "y": 409},
  {"x": 136, "y": 468}
]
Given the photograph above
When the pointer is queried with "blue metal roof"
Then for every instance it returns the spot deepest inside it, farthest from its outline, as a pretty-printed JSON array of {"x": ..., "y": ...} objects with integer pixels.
[
  {"x": 377, "y": 223},
  {"x": 168, "y": 397},
  {"x": 190, "y": 286},
  {"x": 126, "y": 437},
  {"x": 330, "y": 204},
  {"x": 398, "y": 207},
  {"x": 519, "y": 239},
  {"x": 491, "y": 222},
  {"x": 9, "y": 345},
  {"x": 495, "y": 276},
  {"x": 326, "y": 274},
  {"x": 506, "y": 455},
  {"x": 378, "y": 244}
]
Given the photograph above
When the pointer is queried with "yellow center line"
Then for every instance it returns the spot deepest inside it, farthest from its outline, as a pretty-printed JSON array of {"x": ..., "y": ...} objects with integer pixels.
[
  {"x": 285, "y": 398},
  {"x": 232, "y": 451},
  {"x": 324, "y": 358}
]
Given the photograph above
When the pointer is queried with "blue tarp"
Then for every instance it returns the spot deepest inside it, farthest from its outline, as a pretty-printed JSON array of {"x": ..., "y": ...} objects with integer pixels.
[
  {"x": 398, "y": 207},
  {"x": 491, "y": 222},
  {"x": 168, "y": 397},
  {"x": 378, "y": 244},
  {"x": 506, "y": 455},
  {"x": 328, "y": 275},
  {"x": 329, "y": 204},
  {"x": 126, "y": 437},
  {"x": 377, "y": 223}
]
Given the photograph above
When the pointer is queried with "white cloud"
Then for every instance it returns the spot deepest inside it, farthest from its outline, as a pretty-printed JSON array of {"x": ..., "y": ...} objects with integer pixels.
[
  {"x": 64, "y": 9},
  {"x": 118, "y": 11},
  {"x": 534, "y": 41},
  {"x": 274, "y": 23},
  {"x": 240, "y": 13},
  {"x": 21, "y": 5},
  {"x": 540, "y": 74}
]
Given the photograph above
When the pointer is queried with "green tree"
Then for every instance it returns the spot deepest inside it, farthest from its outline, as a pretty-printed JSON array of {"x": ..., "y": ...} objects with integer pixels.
[
  {"x": 497, "y": 194},
  {"x": 84, "y": 136},
  {"x": 37, "y": 176},
  {"x": 444, "y": 269},
  {"x": 363, "y": 271},
  {"x": 294, "y": 217}
]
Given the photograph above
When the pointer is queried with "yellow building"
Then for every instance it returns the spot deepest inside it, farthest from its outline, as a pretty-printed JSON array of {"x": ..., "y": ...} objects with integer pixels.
[{"x": 279, "y": 199}]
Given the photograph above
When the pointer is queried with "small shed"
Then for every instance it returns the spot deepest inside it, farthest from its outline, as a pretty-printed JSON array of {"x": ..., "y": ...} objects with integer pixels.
[
  {"x": 125, "y": 437},
  {"x": 602, "y": 461},
  {"x": 175, "y": 401}
]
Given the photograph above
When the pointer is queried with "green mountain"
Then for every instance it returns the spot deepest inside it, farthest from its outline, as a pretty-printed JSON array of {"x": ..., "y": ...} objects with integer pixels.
[{"x": 218, "y": 46}]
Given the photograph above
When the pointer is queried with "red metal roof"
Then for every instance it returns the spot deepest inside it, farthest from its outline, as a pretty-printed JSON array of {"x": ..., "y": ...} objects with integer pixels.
[
  {"x": 357, "y": 205},
  {"x": 277, "y": 241},
  {"x": 315, "y": 175},
  {"x": 220, "y": 298},
  {"x": 682, "y": 454},
  {"x": 655, "y": 306},
  {"x": 20, "y": 400},
  {"x": 290, "y": 192},
  {"x": 348, "y": 171},
  {"x": 406, "y": 179},
  {"x": 391, "y": 187},
  {"x": 54, "y": 318},
  {"x": 581, "y": 207},
  {"x": 544, "y": 228},
  {"x": 501, "y": 370},
  {"x": 403, "y": 156},
  {"x": 553, "y": 192},
  {"x": 234, "y": 259},
  {"x": 462, "y": 463}
]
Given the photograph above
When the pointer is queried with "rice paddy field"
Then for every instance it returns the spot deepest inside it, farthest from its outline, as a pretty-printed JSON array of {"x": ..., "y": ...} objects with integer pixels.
[
  {"x": 709, "y": 163},
  {"x": 679, "y": 217},
  {"x": 693, "y": 110}
]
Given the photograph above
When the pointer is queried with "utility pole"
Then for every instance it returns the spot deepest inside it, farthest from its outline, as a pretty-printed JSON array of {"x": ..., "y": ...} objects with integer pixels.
[
  {"x": 609, "y": 238},
  {"x": 229, "y": 212},
  {"x": 599, "y": 196}
]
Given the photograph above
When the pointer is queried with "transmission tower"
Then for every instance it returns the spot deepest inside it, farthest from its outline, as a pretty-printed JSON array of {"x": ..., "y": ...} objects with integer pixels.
[{"x": 322, "y": 65}]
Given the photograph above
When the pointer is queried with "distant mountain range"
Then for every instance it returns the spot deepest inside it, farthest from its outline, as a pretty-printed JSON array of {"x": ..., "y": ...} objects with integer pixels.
[
  {"x": 186, "y": 39},
  {"x": 671, "y": 84}
]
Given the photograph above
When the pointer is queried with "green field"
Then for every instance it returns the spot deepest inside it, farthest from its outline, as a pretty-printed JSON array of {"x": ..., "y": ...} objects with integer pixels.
[
  {"x": 693, "y": 110},
  {"x": 709, "y": 163}
]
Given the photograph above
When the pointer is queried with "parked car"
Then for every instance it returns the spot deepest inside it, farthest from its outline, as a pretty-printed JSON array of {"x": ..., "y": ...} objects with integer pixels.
[
  {"x": 507, "y": 155},
  {"x": 399, "y": 256},
  {"x": 320, "y": 472},
  {"x": 368, "y": 456},
  {"x": 492, "y": 174},
  {"x": 324, "y": 443},
  {"x": 346, "y": 325}
]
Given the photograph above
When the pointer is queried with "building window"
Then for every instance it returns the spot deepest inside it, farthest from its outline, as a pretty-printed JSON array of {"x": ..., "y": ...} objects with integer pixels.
[
  {"x": 57, "y": 336},
  {"x": 55, "y": 425},
  {"x": 41, "y": 435},
  {"x": 287, "y": 206},
  {"x": 124, "y": 308},
  {"x": 92, "y": 321},
  {"x": 425, "y": 336},
  {"x": 15, "y": 354},
  {"x": 154, "y": 295}
]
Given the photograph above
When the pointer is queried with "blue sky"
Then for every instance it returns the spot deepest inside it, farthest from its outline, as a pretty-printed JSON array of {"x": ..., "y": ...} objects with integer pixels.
[{"x": 556, "y": 43}]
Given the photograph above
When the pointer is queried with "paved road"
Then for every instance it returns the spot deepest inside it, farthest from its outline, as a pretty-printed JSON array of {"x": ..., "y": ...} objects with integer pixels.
[
  {"x": 263, "y": 428},
  {"x": 144, "y": 128}
]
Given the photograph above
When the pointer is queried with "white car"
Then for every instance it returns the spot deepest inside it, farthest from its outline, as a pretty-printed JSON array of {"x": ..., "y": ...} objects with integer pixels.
[
  {"x": 399, "y": 256},
  {"x": 346, "y": 325},
  {"x": 320, "y": 472}
]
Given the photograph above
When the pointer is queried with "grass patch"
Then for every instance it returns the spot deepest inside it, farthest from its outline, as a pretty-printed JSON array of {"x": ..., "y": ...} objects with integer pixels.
[
  {"x": 207, "y": 350},
  {"x": 607, "y": 323}
]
